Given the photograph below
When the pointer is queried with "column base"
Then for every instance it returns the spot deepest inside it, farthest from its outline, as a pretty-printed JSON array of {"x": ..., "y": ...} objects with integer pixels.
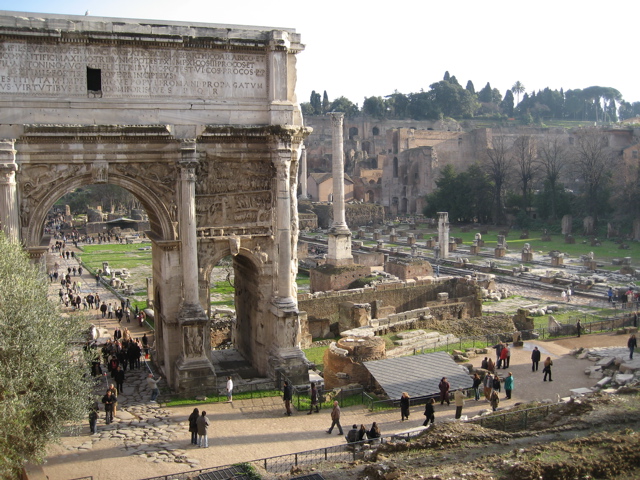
[
  {"x": 290, "y": 363},
  {"x": 194, "y": 376}
]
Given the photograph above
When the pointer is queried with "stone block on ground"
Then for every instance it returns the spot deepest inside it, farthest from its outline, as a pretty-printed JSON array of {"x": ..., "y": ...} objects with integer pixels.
[
  {"x": 606, "y": 362},
  {"x": 623, "y": 379},
  {"x": 581, "y": 391},
  {"x": 604, "y": 381}
]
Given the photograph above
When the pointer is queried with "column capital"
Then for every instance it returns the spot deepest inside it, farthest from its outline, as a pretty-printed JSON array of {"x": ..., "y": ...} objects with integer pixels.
[{"x": 337, "y": 118}]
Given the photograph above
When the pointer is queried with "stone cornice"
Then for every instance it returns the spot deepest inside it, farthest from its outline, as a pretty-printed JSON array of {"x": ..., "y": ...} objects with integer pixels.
[
  {"x": 254, "y": 133},
  {"x": 35, "y": 133}
]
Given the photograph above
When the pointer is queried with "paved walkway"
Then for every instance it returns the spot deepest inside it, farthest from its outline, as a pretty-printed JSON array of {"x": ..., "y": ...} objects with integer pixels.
[{"x": 148, "y": 439}]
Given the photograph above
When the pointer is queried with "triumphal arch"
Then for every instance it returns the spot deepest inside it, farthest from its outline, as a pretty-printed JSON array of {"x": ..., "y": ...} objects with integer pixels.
[{"x": 200, "y": 122}]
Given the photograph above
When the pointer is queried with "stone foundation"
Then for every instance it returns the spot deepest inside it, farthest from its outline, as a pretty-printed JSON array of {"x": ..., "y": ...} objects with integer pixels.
[
  {"x": 343, "y": 361},
  {"x": 331, "y": 278}
]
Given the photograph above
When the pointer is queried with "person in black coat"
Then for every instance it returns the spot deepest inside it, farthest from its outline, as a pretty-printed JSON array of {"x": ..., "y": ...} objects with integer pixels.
[
  {"x": 404, "y": 406},
  {"x": 193, "y": 426},
  {"x": 535, "y": 359},
  {"x": 119, "y": 378},
  {"x": 429, "y": 412},
  {"x": 109, "y": 401},
  {"x": 287, "y": 396}
]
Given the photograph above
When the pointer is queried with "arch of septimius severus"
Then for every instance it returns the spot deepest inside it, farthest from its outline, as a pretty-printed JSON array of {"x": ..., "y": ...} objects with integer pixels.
[{"x": 200, "y": 123}]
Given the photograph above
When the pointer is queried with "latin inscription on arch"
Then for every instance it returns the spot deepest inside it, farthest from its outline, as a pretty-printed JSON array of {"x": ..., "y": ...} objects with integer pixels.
[{"x": 130, "y": 72}]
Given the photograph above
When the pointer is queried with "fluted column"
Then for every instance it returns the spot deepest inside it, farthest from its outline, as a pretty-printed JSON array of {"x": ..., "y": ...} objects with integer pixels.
[
  {"x": 303, "y": 174},
  {"x": 188, "y": 237},
  {"x": 9, "y": 214},
  {"x": 283, "y": 207},
  {"x": 339, "y": 224}
]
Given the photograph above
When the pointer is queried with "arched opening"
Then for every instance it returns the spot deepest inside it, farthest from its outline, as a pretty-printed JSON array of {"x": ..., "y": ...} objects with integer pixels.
[
  {"x": 371, "y": 197},
  {"x": 353, "y": 132},
  {"x": 375, "y": 131},
  {"x": 403, "y": 206},
  {"x": 395, "y": 167}
]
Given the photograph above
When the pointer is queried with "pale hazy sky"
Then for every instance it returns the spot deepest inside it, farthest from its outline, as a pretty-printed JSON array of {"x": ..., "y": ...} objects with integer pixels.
[{"x": 360, "y": 49}]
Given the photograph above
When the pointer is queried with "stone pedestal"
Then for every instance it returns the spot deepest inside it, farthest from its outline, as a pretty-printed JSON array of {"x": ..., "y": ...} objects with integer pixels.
[
  {"x": 377, "y": 235},
  {"x": 527, "y": 257},
  {"x": 500, "y": 252},
  {"x": 393, "y": 238},
  {"x": 590, "y": 264},
  {"x": 474, "y": 250},
  {"x": 430, "y": 243},
  {"x": 453, "y": 246},
  {"x": 557, "y": 261},
  {"x": 360, "y": 234},
  {"x": 568, "y": 239},
  {"x": 411, "y": 240},
  {"x": 481, "y": 243}
]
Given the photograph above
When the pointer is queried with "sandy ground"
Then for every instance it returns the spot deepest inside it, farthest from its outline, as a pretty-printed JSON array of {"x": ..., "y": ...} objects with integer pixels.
[{"x": 253, "y": 429}]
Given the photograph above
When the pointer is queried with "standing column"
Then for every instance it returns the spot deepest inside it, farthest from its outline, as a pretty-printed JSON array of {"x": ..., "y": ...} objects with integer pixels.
[
  {"x": 283, "y": 215},
  {"x": 188, "y": 237},
  {"x": 9, "y": 214},
  {"x": 339, "y": 240},
  {"x": 303, "y": 174},
  {"x": 443, "y": 234},
  {"x": 339, "y": 224}
]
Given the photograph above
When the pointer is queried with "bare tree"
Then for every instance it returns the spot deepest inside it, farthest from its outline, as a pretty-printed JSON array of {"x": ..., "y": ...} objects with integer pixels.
[
  {"x": 524, "y": 156},
  {"x": 553, "y": 158},
  {"x": 498, "y": 164},
  {"x": 593, "y": 163}
]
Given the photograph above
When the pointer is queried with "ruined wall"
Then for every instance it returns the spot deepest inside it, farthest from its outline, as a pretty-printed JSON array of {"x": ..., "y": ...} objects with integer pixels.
[
  {"x": 329, "y": 277},
  {"x": 401, "y": 296},
  {"x": 343, "y": 362},
  {"x": 409, "y": 270}
]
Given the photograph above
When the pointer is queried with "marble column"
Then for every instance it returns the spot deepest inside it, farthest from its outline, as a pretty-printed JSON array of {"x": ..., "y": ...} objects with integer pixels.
[
  {"x": 194, "y": 371},
  {"x": 339, "y": 234},
  {"x": 303, "y": 174},
  {"x": 188, "y": 236},
  {"x": 443, "y": 234},
  {"x": 9, "y": 214},
  {"x": 285, "y": 296},
  {"x": 337, "y": 171}
]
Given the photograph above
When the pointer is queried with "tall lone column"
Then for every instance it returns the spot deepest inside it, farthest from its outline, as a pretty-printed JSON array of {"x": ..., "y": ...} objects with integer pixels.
[
  {"x": 9, "y": 214},
  {"x": 285, "y": 297},
  {"x": 303, "y": 174},
  {"x": 443, "y": 234},
  {"x": 339, "y": 233}
]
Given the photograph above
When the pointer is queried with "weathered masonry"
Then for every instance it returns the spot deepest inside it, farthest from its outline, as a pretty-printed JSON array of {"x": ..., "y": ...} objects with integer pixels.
[{"x": 200, "y": 122}]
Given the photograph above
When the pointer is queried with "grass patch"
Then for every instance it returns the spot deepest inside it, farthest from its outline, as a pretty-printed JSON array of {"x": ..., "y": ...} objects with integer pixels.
[
  {"x": 119, "y": 256},
  {"x": 214, "y": 398},
  {"x": 316, "y": 355}
]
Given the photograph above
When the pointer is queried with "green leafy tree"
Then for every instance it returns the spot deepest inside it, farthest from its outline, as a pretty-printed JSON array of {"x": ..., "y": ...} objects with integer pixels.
[
  {"x": 44, "y": 381},
  {"x": 446, "y": 76},
  {"x": 374, "y": 107},
  {"x": 518, "y": 88},
  {"x": 421, "y": 106},
  {"x": 486, "y": 94},
  {"x": 470, "y": 88},
  {"x": 398, "y": 104},
  {"x": 343, "y": 104},
  {"x": 315, "y": 102},
  {"x": 325, "y": 102},
  {"x": 507, "y": 104}
]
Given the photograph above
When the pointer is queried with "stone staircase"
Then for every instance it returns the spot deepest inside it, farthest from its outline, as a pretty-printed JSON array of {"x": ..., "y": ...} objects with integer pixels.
[{"x": 416, "y": 340}]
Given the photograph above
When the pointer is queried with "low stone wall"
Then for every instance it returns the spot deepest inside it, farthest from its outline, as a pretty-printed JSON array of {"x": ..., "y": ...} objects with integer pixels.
[
  {"x": 413, "y": 295},
  {"x": 343, "y": 361}
]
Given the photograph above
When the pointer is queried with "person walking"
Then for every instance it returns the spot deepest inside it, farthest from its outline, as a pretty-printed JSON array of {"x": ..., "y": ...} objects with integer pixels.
[
  {"x": 477, "y": 381},
  {"x": 504, "y": 356},
  {"x": 548, "y": 363},
  {"x": 153, "y": 386},
  {"x": 508, "y": 385},
  {"x": 632, "y": 343},
  {"x": 495, "y": 400},
  {"x": 109, "y": 401},
  {"x": 444, "y": 387},
  {"x": 404, "y": 406},
  {"x": 459, "y": 401},
  {"x": 488, "y": 386},
  {"x": 335, "y": 418},
  {"x": 578, "y": 327},
  {"x": 229, "y": 390},
  {"x": 203, "y": 429},
  {"x": 93, "y": 418},
  {"x": 535, "y": 359},
  {"x": 287, "y": 396},
  {"x": 429, "y": 412},
  {"x": 103, "y": 309},
  {"x": 193, "y": 426},
  {"x": 314, "y": 398},
  {"x": 119, "y": 378}
]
